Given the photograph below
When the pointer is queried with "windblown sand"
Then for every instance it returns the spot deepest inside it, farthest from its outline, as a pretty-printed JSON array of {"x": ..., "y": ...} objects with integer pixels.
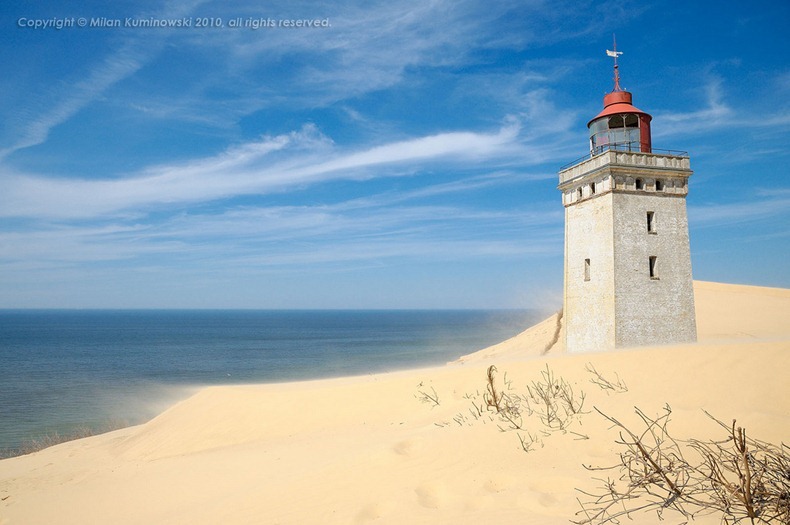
[{"x": 374, "y": 449}]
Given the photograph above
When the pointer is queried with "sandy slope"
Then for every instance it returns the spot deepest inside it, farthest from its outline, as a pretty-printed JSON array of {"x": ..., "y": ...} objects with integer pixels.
[
  {"x": 368, "y": 449},
  {"x": 725, "y": 312}
]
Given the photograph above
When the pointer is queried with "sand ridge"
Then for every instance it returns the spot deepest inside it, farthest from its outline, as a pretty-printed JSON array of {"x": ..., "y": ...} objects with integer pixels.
[{"x": 373, "y": 449}]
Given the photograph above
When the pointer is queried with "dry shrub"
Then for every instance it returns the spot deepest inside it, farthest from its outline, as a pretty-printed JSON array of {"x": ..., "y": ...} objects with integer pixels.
[
  {"x": 506, "y": 406},
  {"x": 551, "y": 399},
  {"x": 738, "y": 477},
  {"x": 554, "y": 400},
  {"x": 431, "y": 398}
]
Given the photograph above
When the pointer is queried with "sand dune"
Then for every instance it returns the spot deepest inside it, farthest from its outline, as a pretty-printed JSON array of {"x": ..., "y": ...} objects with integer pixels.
[
  {"x": 725, "y": 312},
  {"x": 371, "y": 449}
]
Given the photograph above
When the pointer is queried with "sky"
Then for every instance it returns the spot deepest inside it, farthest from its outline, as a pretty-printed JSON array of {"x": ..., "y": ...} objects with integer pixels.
[{"x": 387, "y": 154}]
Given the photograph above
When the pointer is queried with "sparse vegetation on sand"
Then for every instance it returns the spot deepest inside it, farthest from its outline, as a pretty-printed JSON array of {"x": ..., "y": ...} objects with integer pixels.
[
  {"x": 551, "y": 401},
  {"x": 740, "y": 478},
  {"x": 427, "y": 396},
  {"x": 616, "y": 385},
  {"x": 734, "y": 477}
]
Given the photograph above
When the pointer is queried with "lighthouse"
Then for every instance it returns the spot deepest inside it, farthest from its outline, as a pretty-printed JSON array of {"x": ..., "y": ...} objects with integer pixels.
[{"x": 627, "y": 257}]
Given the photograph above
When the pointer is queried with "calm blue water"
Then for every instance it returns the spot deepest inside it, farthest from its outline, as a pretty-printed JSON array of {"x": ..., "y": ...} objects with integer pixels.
[{"x": 62, "y": 369}]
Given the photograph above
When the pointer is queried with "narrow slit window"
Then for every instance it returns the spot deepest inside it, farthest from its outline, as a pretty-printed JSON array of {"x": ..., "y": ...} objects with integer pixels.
[
  {"x": 651, "y": 222},
  {"x": 587, "y": 269},
  {"x": 653, "y": 268},
  {"x": 639, "y": 184},
  {"x": 592, "y": 188}
]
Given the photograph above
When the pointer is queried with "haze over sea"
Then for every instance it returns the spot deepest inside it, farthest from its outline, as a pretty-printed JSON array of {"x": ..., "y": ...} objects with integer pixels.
[{"x": 62, "y": 369}]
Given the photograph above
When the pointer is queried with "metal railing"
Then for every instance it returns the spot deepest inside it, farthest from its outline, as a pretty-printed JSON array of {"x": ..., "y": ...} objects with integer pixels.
[{"x": 629, "y": 146}]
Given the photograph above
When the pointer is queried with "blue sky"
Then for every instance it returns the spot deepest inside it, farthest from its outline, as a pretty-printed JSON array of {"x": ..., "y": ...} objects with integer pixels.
[{"x": 405, "y": 156}]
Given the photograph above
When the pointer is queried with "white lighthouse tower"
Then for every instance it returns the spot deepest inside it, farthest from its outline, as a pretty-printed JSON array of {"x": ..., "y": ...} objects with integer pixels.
[{"x": 627, "y": 258}]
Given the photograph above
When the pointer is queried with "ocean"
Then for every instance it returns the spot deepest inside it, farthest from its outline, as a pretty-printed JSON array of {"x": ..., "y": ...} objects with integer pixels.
[{"x": 61, "y": 370}]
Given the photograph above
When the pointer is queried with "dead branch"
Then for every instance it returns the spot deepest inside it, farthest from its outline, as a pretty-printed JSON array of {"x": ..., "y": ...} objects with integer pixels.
[
  {"x": 529, "y": 441},
  {"x": 492, "y": 397},
  {"x": 555, "y": 400},
  {"x": 598, "y": 379},
  {"x": 738, "y": 477},
  {"x": 424, "y": 396}
]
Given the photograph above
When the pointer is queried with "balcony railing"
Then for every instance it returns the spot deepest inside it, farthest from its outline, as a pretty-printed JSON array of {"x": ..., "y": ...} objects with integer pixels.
[{"x": 630, "y": 147}]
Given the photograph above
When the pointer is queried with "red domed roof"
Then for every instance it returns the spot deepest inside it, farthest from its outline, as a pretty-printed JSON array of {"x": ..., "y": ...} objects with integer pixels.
[{"x": 618, "y": 102}]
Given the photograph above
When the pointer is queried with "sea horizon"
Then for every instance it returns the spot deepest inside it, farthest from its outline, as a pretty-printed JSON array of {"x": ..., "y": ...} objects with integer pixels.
[{"x": 66, "y": 368}]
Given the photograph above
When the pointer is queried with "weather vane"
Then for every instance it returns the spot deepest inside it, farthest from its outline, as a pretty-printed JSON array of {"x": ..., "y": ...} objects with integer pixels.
[{"x": 614, "y": 54}]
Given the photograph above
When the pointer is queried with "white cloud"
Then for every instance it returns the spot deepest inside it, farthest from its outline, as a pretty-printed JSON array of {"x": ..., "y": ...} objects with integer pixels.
[
  {"x": 715, "y": 114},
  {"x": 111, "y": 71},
  {"x": 719, "y": 114},
  {"x": 268, "y": 165},
  {"x": 368, "y": 48},
  {"x": 372, "y": 228}
]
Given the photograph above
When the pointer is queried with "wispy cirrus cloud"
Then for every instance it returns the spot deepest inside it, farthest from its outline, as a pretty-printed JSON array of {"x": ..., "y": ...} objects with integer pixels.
[
  {"x": 368, "y": 48},
  {"x": 264, "y": 166},
  {"x": 375, "y": 228},
  {"x": 715, "y": 113},
  {"x": 62, "y": 102},
  {"x": 36, "y": 130},
  {"x": 766, "y": 207}
]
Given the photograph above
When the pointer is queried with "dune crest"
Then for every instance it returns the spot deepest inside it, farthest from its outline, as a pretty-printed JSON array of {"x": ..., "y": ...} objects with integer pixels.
[
  {"x": 725, "y": 312},
  {"x": 535, "y": 341},
  {"x": 740, "y": 312}
]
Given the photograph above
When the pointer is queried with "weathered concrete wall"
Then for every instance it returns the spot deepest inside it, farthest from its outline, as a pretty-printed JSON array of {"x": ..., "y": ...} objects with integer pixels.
[
  {"x": 589, "y": 305},
  {"x": 652, "y": 310}
]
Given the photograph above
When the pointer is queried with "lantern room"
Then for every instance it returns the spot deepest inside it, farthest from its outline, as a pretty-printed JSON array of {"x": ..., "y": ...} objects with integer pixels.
[{"x": 620, "y": 125}]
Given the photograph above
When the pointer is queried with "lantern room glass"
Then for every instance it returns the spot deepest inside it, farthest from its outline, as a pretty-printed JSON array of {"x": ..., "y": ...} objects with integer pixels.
[{"x": 619, "y": 131}]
